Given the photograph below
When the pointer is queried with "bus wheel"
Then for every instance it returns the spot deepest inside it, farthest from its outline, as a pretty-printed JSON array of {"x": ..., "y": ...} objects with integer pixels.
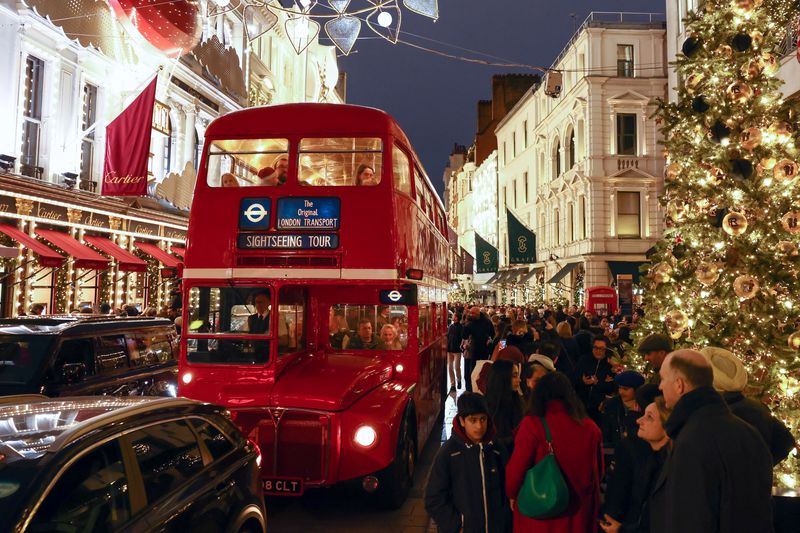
[{"x": 395, "y": 481}]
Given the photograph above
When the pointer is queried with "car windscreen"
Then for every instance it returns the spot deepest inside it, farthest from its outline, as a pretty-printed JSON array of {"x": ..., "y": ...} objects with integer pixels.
[{"x": 21, "y": 357}]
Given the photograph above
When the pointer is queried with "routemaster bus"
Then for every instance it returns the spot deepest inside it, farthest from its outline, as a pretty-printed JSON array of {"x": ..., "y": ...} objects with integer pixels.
[{"x": 314, "y": 294}]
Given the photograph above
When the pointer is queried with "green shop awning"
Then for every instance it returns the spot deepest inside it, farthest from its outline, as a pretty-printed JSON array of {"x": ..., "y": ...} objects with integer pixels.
[
  {"x": 625, "y": 267},
  {"x": 566, "y": 269}
]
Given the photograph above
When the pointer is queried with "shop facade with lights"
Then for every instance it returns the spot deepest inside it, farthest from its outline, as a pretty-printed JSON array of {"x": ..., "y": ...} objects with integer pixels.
[
  {"x": 72, "y": 67},
  {"x": 583, "y": 170},
  {"x": 78, "y": 250}
]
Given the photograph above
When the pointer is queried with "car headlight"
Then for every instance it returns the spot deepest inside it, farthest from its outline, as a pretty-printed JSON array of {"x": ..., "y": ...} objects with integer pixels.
[{"x": 365, "y": 436}]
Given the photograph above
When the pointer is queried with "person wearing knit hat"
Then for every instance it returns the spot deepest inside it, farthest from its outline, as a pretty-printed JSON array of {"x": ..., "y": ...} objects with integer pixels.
[
  {"x": 621, "y": 410},
  {"x": 453, "y": 498},
  {"x": 481, "y": 372},
  {"x": 730, "y": 379},
  {"x": 654, "y": 348}
]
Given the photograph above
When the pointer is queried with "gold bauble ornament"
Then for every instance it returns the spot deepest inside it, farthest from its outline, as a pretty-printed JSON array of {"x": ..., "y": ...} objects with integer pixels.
[
  {"x": 673, "y": 171},
  {"x": 750, "y": 138},
  {"x": 693, "y": 81},
  {"x": 785, "y": 170},
  {"x": 757, "y": 37},
  {"x": 662, "y": 273},
  {"x": 706, "y": 273},
  {"x": 734, "y": 223},
  {"x": 791, "y": 222},
  {"x": 752, "y": 69},
  {"x": 771, "y": 64},
  {"x": 739, "y": 92},
  {"x": 794, "y": 340},
  {"x": 676, "y": 210},
  {"x": 675, "y": 334},
  {"x": 677, "y": 320},
  {"x": 725, "y": 51},
  {"x": 789, "y": 248},
  {"x": 745, "y": 286}
]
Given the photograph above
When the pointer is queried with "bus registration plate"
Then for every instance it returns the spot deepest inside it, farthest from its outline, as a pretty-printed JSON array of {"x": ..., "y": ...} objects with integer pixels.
[
  {"x": 282, "y": 486},
  {"x": 302, "y": 241}
]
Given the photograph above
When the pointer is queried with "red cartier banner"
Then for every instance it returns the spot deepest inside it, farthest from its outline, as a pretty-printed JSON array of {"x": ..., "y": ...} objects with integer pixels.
[{"x": 128, "y": 147}]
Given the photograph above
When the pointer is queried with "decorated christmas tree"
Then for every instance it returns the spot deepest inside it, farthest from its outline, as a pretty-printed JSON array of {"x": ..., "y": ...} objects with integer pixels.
[{"x": 727, "y": 272}]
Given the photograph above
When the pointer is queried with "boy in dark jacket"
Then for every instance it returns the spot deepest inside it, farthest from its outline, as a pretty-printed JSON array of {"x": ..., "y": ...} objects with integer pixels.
[{"x": 466, "y": 488}]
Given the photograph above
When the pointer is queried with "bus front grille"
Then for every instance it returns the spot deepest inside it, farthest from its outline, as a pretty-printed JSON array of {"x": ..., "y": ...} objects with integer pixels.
[{"x": 294, "y": 443}]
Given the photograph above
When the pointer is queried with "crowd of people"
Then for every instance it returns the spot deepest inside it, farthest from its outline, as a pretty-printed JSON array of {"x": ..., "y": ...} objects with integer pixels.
[{"x": 675, "y": 448}]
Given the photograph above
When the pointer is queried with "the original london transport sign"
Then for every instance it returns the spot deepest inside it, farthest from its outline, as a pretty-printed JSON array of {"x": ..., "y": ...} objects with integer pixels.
[{"x": 320, "y": 214}]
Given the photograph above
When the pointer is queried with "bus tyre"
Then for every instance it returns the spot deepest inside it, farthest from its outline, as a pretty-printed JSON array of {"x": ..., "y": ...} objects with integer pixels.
[{"x": 395, "y": 480}]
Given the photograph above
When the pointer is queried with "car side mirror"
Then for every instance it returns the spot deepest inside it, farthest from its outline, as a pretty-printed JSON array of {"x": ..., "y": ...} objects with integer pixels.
[{"x": 73, "y": 372}]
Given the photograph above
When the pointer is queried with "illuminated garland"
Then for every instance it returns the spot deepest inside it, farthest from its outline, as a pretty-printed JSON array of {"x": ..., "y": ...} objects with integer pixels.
[{"x": 726, "y": 272}]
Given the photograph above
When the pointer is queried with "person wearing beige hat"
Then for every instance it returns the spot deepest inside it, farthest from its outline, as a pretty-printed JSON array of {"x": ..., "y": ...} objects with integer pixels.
[{"x": 730, "y": 379}]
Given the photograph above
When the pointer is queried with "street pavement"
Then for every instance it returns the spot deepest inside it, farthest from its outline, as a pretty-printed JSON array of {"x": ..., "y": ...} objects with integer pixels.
[{"x": 343, "y": 509}]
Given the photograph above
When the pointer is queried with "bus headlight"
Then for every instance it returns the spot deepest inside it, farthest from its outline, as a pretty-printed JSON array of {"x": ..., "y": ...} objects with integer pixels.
[
  {"x": 187, "y": 378},
  {"x": 365, "y": 436}
]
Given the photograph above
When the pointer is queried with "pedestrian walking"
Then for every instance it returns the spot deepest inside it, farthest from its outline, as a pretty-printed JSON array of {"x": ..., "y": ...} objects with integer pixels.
[
  {"x": 454, "y": 338},
  {"x": 719, "y": 475},
  {"x": 466, "y": 487},
  {"x": 577, "y": 446}
]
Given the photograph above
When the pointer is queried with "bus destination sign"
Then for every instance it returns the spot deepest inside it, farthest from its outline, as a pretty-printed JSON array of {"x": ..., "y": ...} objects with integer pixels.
[
  {"x": 308, "y": 213},
  {"x": 288, "y": 241}
]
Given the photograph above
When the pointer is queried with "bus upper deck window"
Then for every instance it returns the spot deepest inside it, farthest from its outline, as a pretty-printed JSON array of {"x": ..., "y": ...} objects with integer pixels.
[
  {"x": 248, "y": 163},
  {"x": 340, "y": 161}
]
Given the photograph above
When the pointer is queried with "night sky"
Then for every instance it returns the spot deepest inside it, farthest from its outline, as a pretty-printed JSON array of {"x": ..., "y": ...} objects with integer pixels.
[{"x": 434, "y": 98}]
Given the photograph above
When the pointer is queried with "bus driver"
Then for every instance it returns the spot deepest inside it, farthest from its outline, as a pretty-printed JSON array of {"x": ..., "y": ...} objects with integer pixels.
[{"x": 258, "y": 322}]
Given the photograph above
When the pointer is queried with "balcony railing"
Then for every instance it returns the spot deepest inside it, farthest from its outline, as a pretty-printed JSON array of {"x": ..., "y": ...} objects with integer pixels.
[{"x": 624, "y": 163}]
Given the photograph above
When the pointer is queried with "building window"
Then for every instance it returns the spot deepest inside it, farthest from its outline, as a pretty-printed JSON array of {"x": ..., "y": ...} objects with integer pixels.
[
  {"x": 584, "y": 231},
  {"x": 514, "y": 188},
  {"x": 626, "y": 133},
  {"x": 525, "y": 180},
  {"x": 628, "y": 215},
  {"x": 571, "y": 222},
  {"x": 557, "y": 160},
  {"x": 571, "y": 150},
  {"x": 32, "y": 117},
  {"x": 525, "y": 134},
  {"x": 88, "y": 118},
  {"x": 556, "y": 228},
  {"x": 625, "y": 60},
  {"x": 513, "y": 144}
]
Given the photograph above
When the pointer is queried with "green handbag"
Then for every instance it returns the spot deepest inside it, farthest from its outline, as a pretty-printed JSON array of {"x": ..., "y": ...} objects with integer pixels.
[{"x": 544, "y": 493}]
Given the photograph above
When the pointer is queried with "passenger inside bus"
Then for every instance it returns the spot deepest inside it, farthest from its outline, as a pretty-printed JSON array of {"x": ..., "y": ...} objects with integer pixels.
[
  {"x": 365, "y": 176},
  {"x": 365, "y": 338},
  {"x": 275, "y": 175},
  {"x": 229, "y": 180},
  {"x": 389, "y": 338}
]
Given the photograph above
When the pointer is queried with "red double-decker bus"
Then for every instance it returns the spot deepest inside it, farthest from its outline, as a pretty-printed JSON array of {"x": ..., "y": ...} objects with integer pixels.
[{"x": 314, "y": 294}]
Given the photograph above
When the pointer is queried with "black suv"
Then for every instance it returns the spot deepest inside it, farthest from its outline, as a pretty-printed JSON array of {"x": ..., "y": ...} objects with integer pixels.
[
  {"x": 125, "y": 464},
  {"x": 77, "y": 356}
]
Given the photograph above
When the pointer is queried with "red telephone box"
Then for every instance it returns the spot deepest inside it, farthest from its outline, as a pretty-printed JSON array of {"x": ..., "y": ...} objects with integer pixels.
[{"x": 601, "y": 300}]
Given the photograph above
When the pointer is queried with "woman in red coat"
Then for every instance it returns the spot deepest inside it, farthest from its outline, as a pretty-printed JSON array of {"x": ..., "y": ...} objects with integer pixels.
[{"x": 577, "y": 444}]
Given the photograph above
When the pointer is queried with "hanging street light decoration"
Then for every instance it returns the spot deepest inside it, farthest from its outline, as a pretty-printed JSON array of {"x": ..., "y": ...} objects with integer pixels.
[{"x": 342, "y": 18}]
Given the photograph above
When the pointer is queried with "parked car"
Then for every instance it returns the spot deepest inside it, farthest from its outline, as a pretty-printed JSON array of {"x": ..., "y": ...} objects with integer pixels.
[
  {"x": 126, "y": 464},
  {"x": 77, "y": 356}
]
